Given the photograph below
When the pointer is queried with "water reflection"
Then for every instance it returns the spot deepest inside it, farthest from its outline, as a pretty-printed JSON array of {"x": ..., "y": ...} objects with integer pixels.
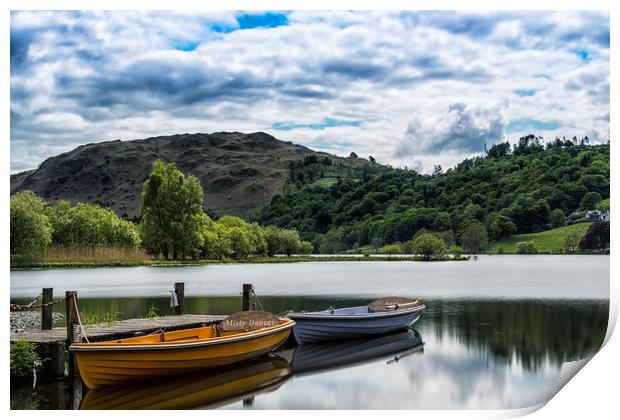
[
  {"x": 317, "y": 357},
  {"x": 477, "y": 354},
  {"x": 204, "y": 390}
]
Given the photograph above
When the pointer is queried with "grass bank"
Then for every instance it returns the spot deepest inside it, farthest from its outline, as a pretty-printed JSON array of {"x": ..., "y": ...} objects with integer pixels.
[
  {"x": 23, "y": 265},
  {"x": 548, "y": 241}
]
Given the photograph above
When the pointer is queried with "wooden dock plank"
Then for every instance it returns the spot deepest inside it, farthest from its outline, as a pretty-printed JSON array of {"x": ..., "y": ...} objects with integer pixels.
[{"x": 128, "y": 327}]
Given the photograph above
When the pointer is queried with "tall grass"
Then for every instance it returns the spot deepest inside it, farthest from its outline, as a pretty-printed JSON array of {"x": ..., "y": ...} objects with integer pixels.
[{"x": 93, "y": 255}]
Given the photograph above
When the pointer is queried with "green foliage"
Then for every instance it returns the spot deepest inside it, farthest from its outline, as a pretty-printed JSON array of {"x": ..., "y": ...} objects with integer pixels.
[
  {"x": 456, "y": 251},
  {"x": 392, "y": 205},
  {"x": 429, "y": 246},
  {"x": 571, "y": 242},
  {"x": 474, "y": 238},
  {"x": 107, "y": 319},
  {"x": 603, "y": 205},
  {"x": 171, "y": 206},
  {"x": 90, "y": 226},
  {"x": 152, "y": 312},
  {"x": 558, "y": 218},
  {"x": 501, "y": 227},
  {"x": 590, "y": 200},
  {"x": 31, "y": 231},
  {"x": 526, "y": 248},
  {"x": 391, "y": 249},
  {"x": 306, "y": 247},
  {"x": 24, "y": 358}
]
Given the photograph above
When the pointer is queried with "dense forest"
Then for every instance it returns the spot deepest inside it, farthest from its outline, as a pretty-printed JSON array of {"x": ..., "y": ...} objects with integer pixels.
[{"x": 526, "y": 187}]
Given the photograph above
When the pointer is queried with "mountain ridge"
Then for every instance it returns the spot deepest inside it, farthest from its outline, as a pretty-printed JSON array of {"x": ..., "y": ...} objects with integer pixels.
[{"x": 239, "y": 172}]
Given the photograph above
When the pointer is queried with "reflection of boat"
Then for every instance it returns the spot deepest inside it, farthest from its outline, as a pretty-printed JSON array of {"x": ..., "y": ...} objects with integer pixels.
[
  {"x": 335, "y": 354},
  {"x": 206, "y": 390},
  {"x": 240, "y": 337},
  {"x": 381, "y": 316}
]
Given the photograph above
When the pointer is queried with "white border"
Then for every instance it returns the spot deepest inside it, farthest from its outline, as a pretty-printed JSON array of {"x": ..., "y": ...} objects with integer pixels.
[{"x": 591, "y": 394}]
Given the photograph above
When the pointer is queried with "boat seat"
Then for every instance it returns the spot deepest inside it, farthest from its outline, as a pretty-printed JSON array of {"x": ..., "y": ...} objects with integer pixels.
[
  {"x": 392, "y": 303},
  {"x": 244, "y": 322}
]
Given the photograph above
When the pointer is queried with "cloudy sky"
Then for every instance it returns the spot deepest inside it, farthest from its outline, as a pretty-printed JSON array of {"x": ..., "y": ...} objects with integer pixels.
[{"x": 409, "y": 88}]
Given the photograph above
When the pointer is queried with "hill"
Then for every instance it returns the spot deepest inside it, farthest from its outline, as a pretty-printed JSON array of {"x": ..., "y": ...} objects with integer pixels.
[
  {"x": 511, "y": 189},
  {"x": 239, "y": 172},
  {"x": 551, "y": 240}
]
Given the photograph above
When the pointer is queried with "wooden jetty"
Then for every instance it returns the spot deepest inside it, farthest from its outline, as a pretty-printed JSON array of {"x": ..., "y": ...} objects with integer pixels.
[
  {"x": 121, "y": 329},
  {"x": 53, "y": 343}
]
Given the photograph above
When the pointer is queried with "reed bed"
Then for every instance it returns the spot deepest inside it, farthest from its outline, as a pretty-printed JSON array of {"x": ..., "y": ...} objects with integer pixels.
[{"x": 94, "y": 255}]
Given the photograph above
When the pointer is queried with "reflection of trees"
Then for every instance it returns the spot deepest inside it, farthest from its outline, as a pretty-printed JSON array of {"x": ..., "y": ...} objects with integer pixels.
[{"x": 531, "y": 330}]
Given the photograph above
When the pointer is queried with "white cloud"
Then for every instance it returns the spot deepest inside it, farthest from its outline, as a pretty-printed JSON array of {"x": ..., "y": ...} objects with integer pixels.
[{"x": 105, "y": 75}]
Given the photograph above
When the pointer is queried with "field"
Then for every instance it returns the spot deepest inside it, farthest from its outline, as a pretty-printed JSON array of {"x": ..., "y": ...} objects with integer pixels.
[{"x": 551, "y": 240}]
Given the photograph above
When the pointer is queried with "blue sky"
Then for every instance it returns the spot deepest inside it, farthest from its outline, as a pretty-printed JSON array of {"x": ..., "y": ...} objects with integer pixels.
[{"x": 409, "y": 88}]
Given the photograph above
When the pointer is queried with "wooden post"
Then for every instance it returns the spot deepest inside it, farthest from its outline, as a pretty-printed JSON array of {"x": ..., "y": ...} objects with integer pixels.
[
  {"x": 247, "y": 290},
  {"x": 46, "y": 309},
  {"x": 72, "y": 321},
  {"x": 179, "y": 289}
]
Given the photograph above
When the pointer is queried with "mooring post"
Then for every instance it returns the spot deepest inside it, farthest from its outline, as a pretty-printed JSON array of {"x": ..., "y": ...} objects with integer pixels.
[
  {"x": 179, "y": 289},
  {"x": 247, "y": 290},
  {"x": 46, "y": 308},
  {"x": 72, "y": 321}
]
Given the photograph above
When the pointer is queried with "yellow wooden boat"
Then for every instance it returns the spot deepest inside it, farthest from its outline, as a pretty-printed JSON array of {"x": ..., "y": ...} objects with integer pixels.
[
  {"x": 200, "y": 390},
  {"x": 240, "y": 337}
]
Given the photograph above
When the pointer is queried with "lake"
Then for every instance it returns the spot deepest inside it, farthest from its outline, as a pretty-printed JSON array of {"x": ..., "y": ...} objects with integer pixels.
[{"x": 495, "y": 333}]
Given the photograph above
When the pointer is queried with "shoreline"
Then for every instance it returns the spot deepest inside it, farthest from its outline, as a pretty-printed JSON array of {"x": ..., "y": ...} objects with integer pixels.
[{"x": 18, "y": 266}]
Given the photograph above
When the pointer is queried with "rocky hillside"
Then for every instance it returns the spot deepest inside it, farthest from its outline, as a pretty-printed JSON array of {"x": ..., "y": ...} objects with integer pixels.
[{"x": 239, "y": 172}]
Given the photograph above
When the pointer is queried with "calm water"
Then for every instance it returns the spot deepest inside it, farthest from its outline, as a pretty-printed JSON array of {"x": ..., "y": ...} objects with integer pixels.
[{"x": 494, "y": 335}]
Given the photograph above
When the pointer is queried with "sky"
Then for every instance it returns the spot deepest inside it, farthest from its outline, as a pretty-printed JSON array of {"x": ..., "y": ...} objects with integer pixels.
[{"x": 410, "y": 88}]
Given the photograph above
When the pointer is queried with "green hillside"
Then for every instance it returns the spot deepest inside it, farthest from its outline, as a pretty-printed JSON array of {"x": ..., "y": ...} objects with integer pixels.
[
  {"x": 522, "y": 188},
  {"x": 551, "y": 240}
]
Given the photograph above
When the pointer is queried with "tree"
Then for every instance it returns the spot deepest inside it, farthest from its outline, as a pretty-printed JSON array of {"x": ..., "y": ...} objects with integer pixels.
[
  {"x": 372, "y": 159},
  {"x": 272, "y": 238},
  {"x": 290, "y": 240},
  {"x": 501, "y": 226},
  {"x": 90, "y": 226},
  {"x": 526, "y": 248},
  {"x": 171, "y": 201},
  {"x": 558, "y": 218},
  {"x": 31, "y": 231},
  {"x": 391, "y": 249},
  {"x": 474, "y": 238},
  {"x": 306, "y": 247},
  {"x": 239, "y": 242},
  {"x": 499, "y": 150},
  {"x": 596, "y": 238},
  {"x": 589, "y": 201},
  {"x": 456, "y": 251},
  {"x": 429, "y": 246},
  {"x": 571, "y": 241}
]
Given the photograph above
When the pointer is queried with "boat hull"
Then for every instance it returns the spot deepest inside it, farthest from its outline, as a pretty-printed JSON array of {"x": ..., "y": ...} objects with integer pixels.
[
  {"x": 200, "y": 390},
  {"x": 116, "y": 366},
  {"x": 311, "y": 328}
]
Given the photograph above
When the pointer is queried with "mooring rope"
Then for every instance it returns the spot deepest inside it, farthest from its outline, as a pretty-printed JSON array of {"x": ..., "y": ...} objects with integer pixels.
[
  {"x": 257, "y": 300},
  {"x": 77, "y": 311},
  {"x": 31, "y": 305}
]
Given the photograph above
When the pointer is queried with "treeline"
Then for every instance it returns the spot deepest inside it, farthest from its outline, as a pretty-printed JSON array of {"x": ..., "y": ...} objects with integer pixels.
[
  {"x": 314, "y": 167},
  {"x": 526, "y": 187},
  {"x": 36, "y": 226},
  {"x": 173, "y": 225}
]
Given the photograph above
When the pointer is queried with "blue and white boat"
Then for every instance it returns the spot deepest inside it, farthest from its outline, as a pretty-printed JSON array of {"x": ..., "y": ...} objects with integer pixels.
[{"x": 381, "y": 316}]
